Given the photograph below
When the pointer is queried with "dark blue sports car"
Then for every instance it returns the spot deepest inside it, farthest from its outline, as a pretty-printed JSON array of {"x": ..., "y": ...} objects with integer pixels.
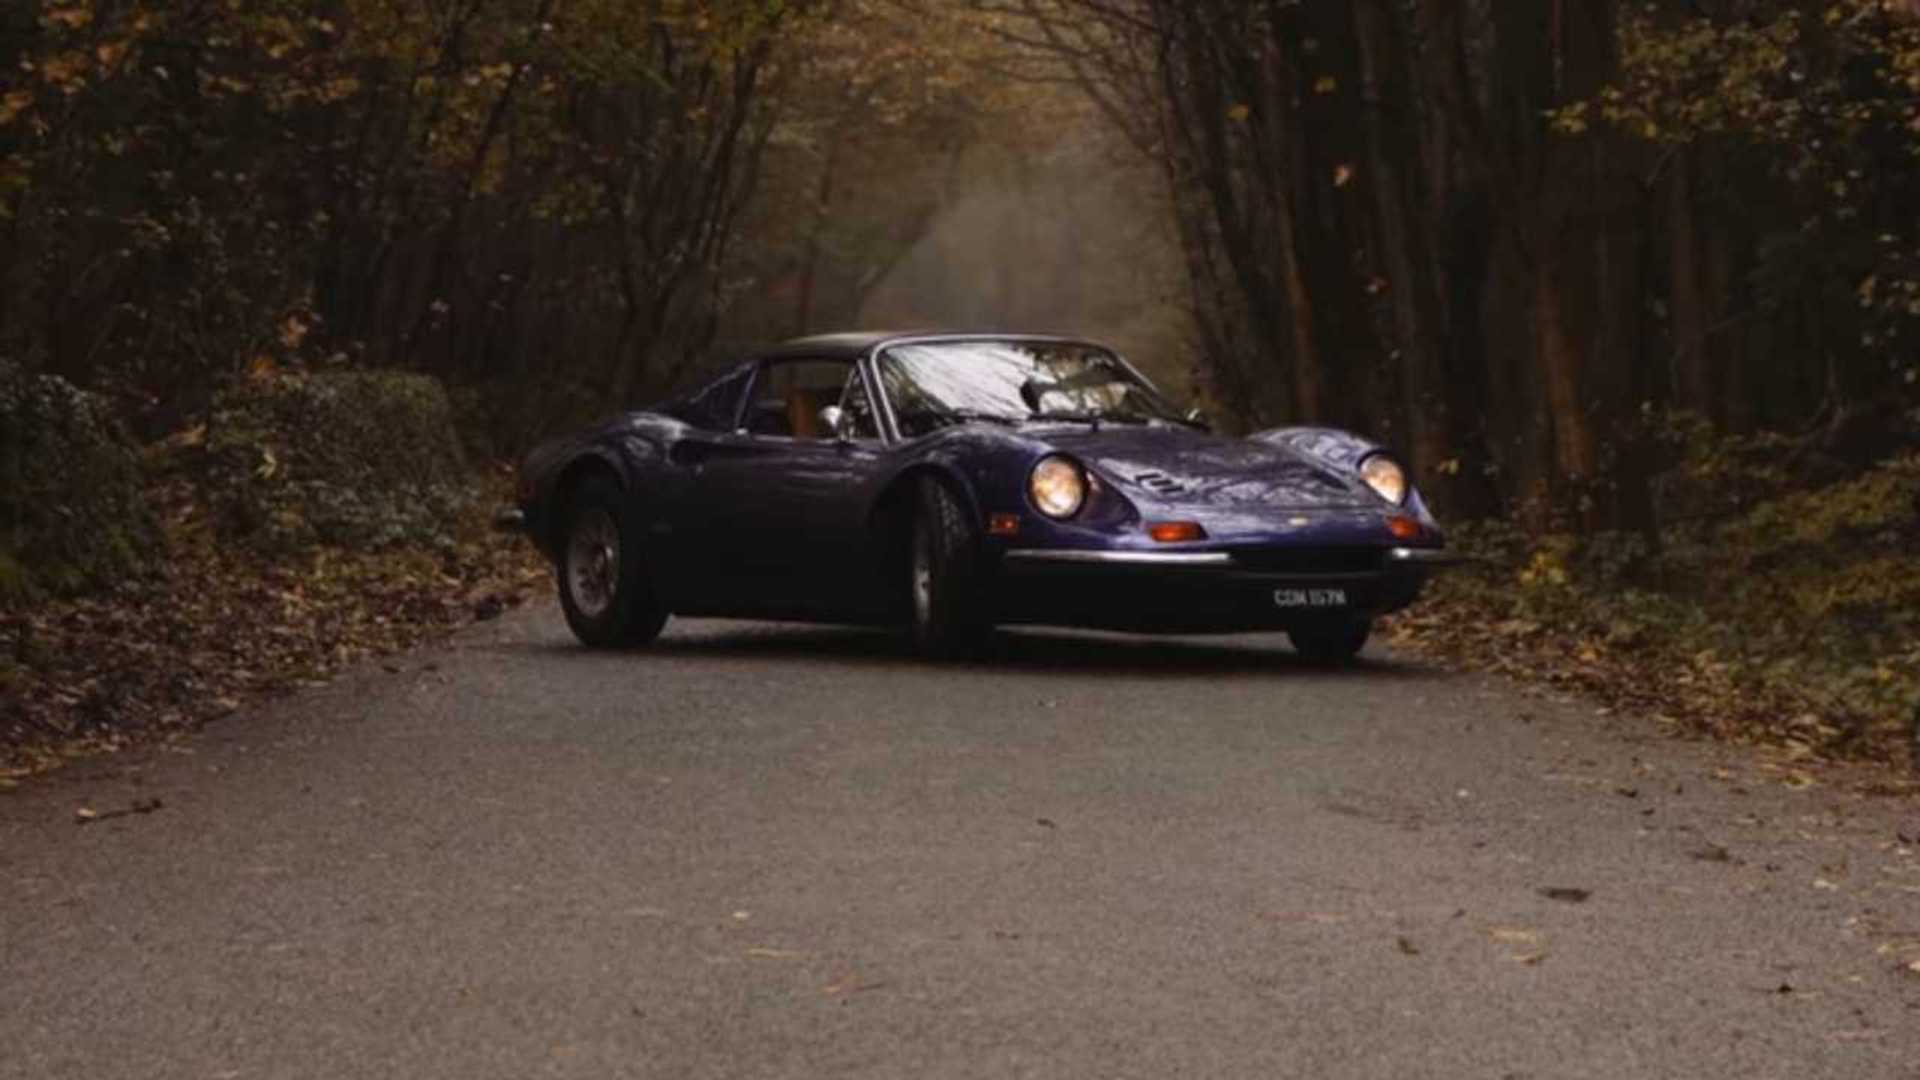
[{"x": 952, "y": 482}]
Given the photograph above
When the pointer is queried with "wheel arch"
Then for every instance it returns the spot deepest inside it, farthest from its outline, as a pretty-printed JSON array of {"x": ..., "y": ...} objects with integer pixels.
[
  {"x": 890, "y": 521},
  {"x": 897, "y": 497},
  {"x": 585, "y": 466}
]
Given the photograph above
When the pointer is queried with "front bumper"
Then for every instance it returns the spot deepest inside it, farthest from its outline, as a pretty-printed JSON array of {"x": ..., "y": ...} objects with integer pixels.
[{"x": 1205, "y": 591}]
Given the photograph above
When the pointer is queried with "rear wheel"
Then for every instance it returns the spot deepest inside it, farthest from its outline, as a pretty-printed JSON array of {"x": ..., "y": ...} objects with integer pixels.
[
  {"x": 606, "y": 585},
  {"x": 943, "y": 577},
  {"x": 1333, "y": 641}
]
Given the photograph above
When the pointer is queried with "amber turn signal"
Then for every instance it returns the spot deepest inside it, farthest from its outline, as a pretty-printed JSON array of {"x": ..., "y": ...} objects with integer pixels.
[
  {"x": 1176, "y": 532},
  {"x": 1004, "y": 525},
  {"x": 1404, "y": 528}
]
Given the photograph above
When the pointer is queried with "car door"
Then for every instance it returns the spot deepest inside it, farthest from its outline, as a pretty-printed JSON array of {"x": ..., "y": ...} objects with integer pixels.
[
  {"x": 786, "y": 498},
  {"x": 677, "y": 521}
]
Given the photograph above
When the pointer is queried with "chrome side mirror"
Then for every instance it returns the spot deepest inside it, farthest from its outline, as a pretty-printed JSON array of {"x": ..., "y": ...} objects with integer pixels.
[
  {"x": 1199, "y": 419},
  {"x": 838, "y": 421}
]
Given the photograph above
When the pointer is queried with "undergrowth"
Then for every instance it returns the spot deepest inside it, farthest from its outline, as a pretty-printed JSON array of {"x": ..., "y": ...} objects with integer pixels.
[{"x": 1791, "y": 617}]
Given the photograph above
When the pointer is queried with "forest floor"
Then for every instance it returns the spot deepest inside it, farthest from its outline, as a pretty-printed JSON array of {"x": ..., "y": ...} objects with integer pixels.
[
  {"x": 218, "y": 626},
  {"x": 1482, "y": 620}
]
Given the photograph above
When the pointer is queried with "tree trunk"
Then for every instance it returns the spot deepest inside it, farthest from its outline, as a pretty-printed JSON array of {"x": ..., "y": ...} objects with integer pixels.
[
  {"x": 1404, "y": 248},
  {"x": 1691, "y": 318}
]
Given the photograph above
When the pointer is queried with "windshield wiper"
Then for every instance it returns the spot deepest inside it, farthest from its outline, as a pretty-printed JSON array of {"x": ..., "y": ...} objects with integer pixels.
[
  {"x": 966, "y": 415},
  {"x": 1095, "y": 419}
]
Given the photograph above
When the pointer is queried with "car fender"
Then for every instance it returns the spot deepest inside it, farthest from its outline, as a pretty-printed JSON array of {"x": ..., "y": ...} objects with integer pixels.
[
  {"x": 979, "y": 466},
  {"x": 1345, "y": 450},
  {"x": 629, "y": 449},
  {"x": 1330, "y": 445}
]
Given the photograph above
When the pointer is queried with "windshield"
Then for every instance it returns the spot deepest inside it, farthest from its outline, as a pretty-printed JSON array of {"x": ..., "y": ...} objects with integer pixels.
[{"x": 937, "y": 384}]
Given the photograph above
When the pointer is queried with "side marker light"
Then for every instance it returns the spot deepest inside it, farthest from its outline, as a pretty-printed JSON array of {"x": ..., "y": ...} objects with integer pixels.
[{"x": 1176, "y": 532}]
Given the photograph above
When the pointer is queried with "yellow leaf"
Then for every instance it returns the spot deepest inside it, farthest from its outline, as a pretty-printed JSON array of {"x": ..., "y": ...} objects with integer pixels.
[
  {"x": 73, "y": 18},
  {"x": 1325, "y": 84},
  {"x": 1239, "y": 113},
  {"x": 13, "y": 105}
]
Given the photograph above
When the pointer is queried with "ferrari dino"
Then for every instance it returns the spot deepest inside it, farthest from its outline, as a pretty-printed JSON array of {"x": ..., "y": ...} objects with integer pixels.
[{"x": 954, "y": 482}]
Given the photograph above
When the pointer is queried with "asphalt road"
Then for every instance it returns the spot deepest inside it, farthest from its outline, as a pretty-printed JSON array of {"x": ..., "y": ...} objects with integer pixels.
[{"x": 789, "y": 852}]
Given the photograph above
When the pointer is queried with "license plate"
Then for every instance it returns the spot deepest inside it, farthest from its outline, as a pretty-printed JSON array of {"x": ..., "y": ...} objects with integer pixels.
[{"x": 1309, "y": 598}]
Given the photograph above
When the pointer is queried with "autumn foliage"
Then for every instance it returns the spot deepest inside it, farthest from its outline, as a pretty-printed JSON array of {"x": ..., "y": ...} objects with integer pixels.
[{"x": 1636, "y": 281}]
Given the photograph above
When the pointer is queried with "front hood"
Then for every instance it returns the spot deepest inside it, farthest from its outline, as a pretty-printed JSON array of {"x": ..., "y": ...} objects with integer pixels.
[{"x": 1181, "y": 466}]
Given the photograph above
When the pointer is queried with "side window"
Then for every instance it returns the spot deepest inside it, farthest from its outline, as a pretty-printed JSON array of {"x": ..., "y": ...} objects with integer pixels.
[
  {"x": 859, "y": 405},
  {"x": 714, "y": 408},
  {"x": 788, "y": 397}
]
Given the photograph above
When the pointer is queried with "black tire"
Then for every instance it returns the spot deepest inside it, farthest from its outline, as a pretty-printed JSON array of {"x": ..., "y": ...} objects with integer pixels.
[
  {"x": 944, "y": 602},
  {"x": 1332, "y": 642},
  {"x": 606, "y": 583}
]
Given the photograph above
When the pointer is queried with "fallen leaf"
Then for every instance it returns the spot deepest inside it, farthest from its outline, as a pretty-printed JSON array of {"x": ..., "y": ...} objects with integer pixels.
[
  {"x": 1323, "y": 918},
  {"x": 1567, "y": 896},
  {"x": 1407, "y": 946},
  {"x": 850, "y": 984}
]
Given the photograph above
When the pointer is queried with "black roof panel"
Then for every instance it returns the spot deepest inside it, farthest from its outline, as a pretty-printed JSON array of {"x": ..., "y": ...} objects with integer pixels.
[{"x": 851, "y": 346}]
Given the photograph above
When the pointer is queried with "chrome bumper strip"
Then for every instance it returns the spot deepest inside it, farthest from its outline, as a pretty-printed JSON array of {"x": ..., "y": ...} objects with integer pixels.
[
  {"x": 1424, "y": 557},
  {"x": 1430, "y": 557},
  {"x": 1125, "y": 558}
]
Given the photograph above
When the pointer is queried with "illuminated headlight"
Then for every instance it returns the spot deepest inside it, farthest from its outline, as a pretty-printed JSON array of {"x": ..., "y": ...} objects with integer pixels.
[
  {"x": 1058, "y": 487},
  {"x": 1385, "y": 477}
]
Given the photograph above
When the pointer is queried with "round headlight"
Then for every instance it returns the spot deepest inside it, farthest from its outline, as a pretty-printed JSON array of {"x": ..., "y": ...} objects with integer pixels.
[
  {"x": 1385, "y": 477},
  {"x": 1058, "y": 487}
]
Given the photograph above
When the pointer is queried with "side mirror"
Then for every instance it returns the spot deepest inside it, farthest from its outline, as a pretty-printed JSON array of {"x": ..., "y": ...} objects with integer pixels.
[
  {"x": 1199, "y": 419},
  {"x": 837, "y": 421}
]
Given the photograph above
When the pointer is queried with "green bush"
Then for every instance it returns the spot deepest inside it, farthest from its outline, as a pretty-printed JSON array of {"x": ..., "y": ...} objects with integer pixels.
[
  {"x": 71, "y": 513},
  {"x": 354, "y": 459}
]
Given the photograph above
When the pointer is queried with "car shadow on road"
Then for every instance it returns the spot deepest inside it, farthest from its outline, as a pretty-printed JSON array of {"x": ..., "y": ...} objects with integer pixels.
[{"x": 1021, "y": 651}]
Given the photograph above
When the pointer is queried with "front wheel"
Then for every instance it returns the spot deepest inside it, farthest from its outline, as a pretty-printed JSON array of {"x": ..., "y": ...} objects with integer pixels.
[
  {"x": 606, "y": 587},
  {"x": 1335, "y": 641},
  {"x": 943, "y": 583}
]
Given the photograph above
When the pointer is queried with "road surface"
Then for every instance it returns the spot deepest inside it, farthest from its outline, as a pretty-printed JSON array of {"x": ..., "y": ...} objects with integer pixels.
[{"x": 762, "y": 851}]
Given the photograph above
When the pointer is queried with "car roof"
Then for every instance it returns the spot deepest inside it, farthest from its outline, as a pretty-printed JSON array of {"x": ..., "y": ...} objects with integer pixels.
[{"x": 852, "y": 346}]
